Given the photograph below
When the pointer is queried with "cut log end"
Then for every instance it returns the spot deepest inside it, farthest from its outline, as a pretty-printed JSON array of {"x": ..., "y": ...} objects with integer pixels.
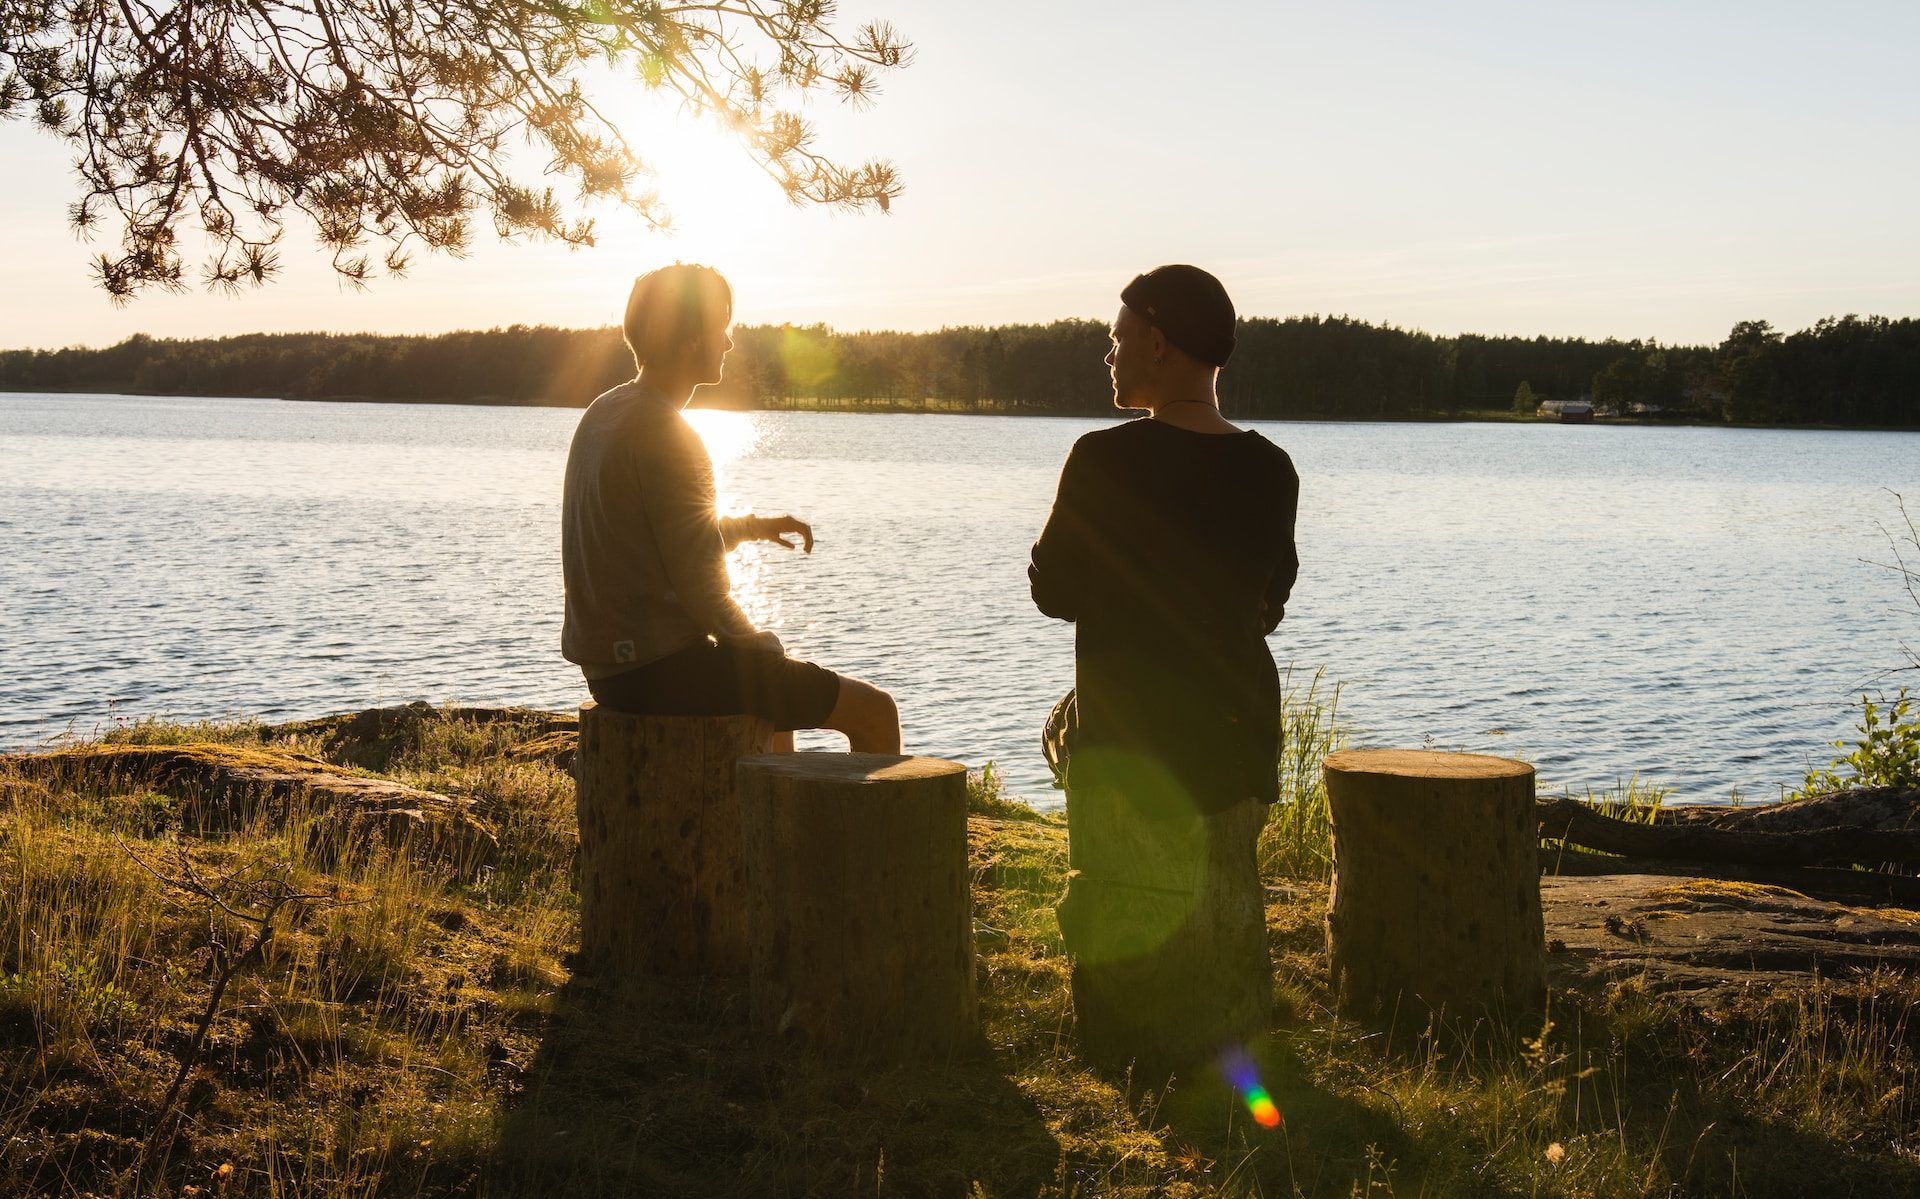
[
  {"x": 853, "y": 769},
  {"x": 1424, "y": 764}
]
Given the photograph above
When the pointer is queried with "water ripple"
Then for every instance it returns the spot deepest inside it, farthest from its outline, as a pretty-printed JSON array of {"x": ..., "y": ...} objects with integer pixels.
[{"x": 1687, "y": 605}]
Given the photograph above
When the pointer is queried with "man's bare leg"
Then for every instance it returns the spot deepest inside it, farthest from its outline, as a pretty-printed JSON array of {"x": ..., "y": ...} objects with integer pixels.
[
  {"x": 867, "y": 716},
  {"x": 782, "y": 743}
]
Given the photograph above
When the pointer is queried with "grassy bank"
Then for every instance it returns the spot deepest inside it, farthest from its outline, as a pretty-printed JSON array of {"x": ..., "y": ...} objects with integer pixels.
[{"x": 410, "y": 1027}]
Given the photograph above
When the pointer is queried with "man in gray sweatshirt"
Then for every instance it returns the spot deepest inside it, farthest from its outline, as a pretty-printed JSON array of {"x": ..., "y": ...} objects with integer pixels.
[{"x": 650, "y": 620}]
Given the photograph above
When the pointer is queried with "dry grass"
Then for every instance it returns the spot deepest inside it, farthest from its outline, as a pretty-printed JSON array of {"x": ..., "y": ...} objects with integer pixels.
[
  {"x": 1708, "y": 890},
  {"x": 414, "y": 1030}
]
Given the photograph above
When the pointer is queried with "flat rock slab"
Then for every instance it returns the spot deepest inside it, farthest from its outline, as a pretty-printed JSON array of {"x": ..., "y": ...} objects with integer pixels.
[
  {"x": 227, "y": 786},
  {"x": 1709, "y": 941},
  {"x": 372, "y": 738}
]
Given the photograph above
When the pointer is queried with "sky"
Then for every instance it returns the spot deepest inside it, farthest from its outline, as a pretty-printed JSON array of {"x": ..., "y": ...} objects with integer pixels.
[{"x": 1601, "y": 170}]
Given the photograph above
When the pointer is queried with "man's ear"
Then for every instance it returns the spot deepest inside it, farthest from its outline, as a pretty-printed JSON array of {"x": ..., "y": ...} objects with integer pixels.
[{"x": 1158, "y": 341}]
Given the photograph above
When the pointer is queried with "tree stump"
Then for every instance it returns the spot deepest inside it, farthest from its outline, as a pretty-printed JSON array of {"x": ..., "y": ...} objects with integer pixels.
[
  {"x": 1165, "y": 920},
  {"x": 662, "y": 877},
  {"x": 858, "y": 902},
  {"x": 1435, "y": 909}
]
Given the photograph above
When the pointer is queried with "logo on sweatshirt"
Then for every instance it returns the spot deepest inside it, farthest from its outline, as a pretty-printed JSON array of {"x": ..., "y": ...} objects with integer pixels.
[{"x": 623, "y": 651}]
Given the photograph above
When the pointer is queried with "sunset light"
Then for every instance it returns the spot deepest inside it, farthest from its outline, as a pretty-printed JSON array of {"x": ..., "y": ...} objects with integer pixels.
[
  {"x": 729, "y": 436},
  {"x": 722, "y": 209},
  {"x": 1234, "y": 598}
]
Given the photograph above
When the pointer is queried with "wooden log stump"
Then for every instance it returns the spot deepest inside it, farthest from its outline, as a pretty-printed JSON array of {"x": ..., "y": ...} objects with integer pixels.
[
  {"x": 1165, "y": 921},
  {"x": 1435, "y": 909},
  {"x": 860, "y": 915},
  {"x": 662, "y": 878}
]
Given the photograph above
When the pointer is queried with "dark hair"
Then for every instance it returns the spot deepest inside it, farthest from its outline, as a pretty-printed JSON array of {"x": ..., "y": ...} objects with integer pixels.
[
  {"x": 1189, "y": 306},
  {"x": 671, "y": 306}
]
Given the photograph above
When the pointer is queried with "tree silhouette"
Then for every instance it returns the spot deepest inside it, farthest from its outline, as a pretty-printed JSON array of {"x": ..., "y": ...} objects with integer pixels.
[
  {"x": 1845, "y": 371},
  {"x": 389, "y": 124}
]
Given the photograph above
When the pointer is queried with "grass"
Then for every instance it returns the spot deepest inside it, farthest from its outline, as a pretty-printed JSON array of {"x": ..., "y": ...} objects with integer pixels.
[
  {"x": 413, "y": 1029},
  {"x": 1298, "y": 839}
]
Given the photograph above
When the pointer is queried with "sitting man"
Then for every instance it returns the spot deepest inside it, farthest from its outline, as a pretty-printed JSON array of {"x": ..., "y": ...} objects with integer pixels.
[
  {"x": 649, "y": 617},
  {"x": 1170, "y": 547}
]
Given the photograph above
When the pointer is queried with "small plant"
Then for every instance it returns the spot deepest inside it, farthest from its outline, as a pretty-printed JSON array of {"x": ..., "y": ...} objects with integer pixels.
[
  {"x": 987, "y": 796},
  {"x": 1633, "y": 799},
  {"x": 77, "y": 986},
  {"x": 1887, "y": 754}
]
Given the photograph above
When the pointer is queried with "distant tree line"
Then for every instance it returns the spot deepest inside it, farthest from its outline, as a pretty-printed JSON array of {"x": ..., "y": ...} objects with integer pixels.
[{"x": 1843, "y": 371}]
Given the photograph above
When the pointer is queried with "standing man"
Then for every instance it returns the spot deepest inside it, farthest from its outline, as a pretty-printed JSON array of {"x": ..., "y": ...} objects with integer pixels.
[
  {"x": 650, "y": 619},
  {"x": 1171, "y": 549}
]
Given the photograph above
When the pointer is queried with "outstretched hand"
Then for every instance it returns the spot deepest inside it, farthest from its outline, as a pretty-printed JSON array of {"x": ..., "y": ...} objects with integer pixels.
[{"x": 782, "y": 529}]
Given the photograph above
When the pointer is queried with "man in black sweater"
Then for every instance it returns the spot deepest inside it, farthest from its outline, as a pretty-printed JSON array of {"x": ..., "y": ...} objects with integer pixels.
[{"x": 1171, "y": 549}]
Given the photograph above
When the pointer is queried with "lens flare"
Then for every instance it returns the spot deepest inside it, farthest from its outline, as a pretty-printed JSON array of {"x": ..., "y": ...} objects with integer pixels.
[
  {"x": 1245, "y": 1078},
  {"x": 808, "y": 358},
  {"x": 1261, "y": 1105}
]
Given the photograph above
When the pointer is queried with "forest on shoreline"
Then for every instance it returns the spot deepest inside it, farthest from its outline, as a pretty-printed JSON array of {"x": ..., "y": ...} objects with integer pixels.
[{"x": 1842, "y": 371}]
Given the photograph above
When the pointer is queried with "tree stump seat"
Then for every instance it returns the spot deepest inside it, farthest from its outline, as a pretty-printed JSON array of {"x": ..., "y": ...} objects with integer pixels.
[
  {"x": 1435, "y": 905},
  {"x": 662, "y": 874},
  {"x": 858, "y": 906}
]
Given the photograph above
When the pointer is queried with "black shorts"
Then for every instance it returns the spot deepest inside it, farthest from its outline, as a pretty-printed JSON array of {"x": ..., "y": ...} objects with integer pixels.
[{"x": 724, "y": 680}]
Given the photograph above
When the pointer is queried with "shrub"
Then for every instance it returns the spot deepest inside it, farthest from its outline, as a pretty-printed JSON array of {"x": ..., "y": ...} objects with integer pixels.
[{"x": 1887, "y": 754}]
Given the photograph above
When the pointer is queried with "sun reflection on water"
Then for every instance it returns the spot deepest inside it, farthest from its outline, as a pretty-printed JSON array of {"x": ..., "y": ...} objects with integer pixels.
[{"x": 730, "y": 437}]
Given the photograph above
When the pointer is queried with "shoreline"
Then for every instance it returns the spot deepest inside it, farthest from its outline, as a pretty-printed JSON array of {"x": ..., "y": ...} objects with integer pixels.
[
  {"x": 959, "y": 408},
  {"x": 1043, "y": 800}
]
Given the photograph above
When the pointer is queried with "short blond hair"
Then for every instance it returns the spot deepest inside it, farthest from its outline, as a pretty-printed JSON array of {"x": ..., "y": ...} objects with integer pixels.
[{"x": 671, "y": 306}]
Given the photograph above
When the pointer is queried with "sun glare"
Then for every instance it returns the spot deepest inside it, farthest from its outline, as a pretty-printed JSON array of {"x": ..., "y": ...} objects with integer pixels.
[
  {"x": 729, "y": 436},
  {"x": 720, "y": 203}
]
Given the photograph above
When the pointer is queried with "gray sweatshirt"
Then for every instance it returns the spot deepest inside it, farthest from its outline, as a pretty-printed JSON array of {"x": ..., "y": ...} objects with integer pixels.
[{"x": 642, "y": 549}]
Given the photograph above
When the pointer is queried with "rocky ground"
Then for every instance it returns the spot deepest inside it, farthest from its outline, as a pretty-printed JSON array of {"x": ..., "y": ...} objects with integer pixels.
[
  {"x": 1711, "y": 941},
  {"x": 414, "y": 1027}
]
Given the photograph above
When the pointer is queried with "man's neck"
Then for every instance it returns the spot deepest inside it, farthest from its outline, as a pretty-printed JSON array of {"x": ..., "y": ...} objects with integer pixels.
[
  {"x": 672, "y": 386},
  {"x": 1196, "y": 408}
]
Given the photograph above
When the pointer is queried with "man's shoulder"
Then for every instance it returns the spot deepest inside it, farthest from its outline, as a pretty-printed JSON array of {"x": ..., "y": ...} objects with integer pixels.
[
  {"x": 1269, "y": 450},
  {"x": 621, "y": 400},
  {"x": 1109, "y": 438},
  {"x": 1103, "y": 451},
  {"x": 613, "y": 397},
  {"x": 630, "y": 407}
]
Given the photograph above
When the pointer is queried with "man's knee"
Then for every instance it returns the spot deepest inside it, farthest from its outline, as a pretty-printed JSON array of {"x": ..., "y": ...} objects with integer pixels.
[
  {"x": 871, "y": 706},
  {"x": 868, "y": 716}
]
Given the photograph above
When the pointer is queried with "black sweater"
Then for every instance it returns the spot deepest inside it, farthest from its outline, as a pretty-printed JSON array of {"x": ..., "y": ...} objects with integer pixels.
[{"x": 1172, "y": 553}]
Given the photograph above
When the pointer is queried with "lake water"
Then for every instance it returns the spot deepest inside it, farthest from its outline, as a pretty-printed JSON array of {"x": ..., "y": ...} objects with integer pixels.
[{"x": 1690, "y": 605}]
